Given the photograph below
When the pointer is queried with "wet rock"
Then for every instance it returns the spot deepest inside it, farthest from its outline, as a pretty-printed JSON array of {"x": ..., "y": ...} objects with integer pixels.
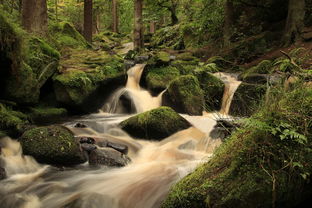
[
  {"x": 2, "y": 173},
  {"x": 119, "y": 147},
  {"x": 88, "y": 140},
  {"x": 80, "y": 125},
  {"x": 260, "y": 78},
  {"x": 184, "y": 95},
  {"x": 141, "y": 59},
  {"x": 52, "y": 145},
  {"x": 108, "y": 157},
  {"x": 128, "y": 64},
  {"x": 223, "y": 129},
  {"x": 246, "y": 99},
  {"x": 88, "y": 147}
]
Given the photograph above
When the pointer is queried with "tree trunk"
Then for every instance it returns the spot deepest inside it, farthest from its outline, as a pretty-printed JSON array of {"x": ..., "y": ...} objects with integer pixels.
[
  {"x": 228, "y": 22},
  {"x": 138, "y": 26},
  {"x": 174, "y": 18},
  {"x": 35, "y": 16},
  {"x": 152, "y": 27},
  {"x": 295, "y": 21},
  {"x": 87, "y": 23},
  {"x": 115, "y": 16}
]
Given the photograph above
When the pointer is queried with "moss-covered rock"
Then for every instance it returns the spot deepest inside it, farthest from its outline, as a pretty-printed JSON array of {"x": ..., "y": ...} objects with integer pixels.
[
  {"x": 12, "y": 122},
  {"x": 222, "y": 63},
  {"x": 185, "y": 67},
  {"x": 256, "y": 167},
  {"x": 187, "y": 56},
  {"x": 46, "y": 114},
  {"x": 157, "y": 79},
  {"x": 65, "y": 34},
  {"x": 246, "y": 99},
  {"x": 156, "y": 124},
  {"x": 185, "y": 95},
  {"x": 212, "y": 87},
  {"x": 52, "y": 145}
]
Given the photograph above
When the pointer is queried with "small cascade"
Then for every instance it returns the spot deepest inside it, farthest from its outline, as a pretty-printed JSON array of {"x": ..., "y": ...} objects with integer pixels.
[
  {"x": 132, "y": 98},
  {"x": 231, "y": 85}
]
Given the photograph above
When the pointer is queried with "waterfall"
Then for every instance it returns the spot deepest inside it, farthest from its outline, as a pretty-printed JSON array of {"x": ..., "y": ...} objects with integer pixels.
[
  {"x": 132, "y": 96},
  {"x": 231, "y": 85}
]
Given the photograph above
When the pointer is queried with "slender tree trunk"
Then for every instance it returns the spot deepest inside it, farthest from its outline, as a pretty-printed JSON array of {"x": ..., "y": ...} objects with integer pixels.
[
  {"x": 138, "y": 25},
  {"x": 295, "y": 21},
  {"x": 35, "y": 16},
  {"x": 87, "y": 23},
  {"x": 228, "y": 22},
  {"x": 174, "y": 18},
  {"x": 152, "y": 28},
  {"x": 115, "y": 16}
]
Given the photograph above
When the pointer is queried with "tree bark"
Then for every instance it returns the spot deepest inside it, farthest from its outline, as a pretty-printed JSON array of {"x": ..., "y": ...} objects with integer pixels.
[
  {"x": 174, "y": 18},
  {"x": 228, "y": 22},
  {"x": 152, "y": 27},
  {"x": 138, "y": 26},
  {"x": 295, "y": 21},
  {"x": 115, "y": 16},
  {"x": 87, "y": 23},
  {"x": 35, "y": 16}
]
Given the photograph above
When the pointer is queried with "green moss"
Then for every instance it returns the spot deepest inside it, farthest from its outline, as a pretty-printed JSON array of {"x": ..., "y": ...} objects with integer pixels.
[
  {"x": 255, "y": 167},
  {"x": 155, "y": 124},
  {"x": 11, "y": 122},
  {"x": 163, "y": 56},
  {"x": 222, "y": 63},
  {"x": 45, "y": 114},
  {"x": 213, "y": 89},
  {"x": 52, "y": 145},
  {"x": 158, "y": 79},
  {"x": 246, "y": 99},
  {"x": 185, "y": 67},
  {"x": 264, "y": 67},
  {"x": 186, "y": 57},
  {"x": 186, "y": 95}
]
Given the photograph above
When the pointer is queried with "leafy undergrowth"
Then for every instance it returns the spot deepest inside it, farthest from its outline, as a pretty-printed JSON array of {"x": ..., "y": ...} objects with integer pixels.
[{"x": 267, "y": 163}]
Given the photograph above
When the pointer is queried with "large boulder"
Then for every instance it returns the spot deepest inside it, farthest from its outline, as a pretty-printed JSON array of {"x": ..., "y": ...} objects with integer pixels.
[
  {"x": 246, "y": 99},
  {"x": 53, "y": 145},
  {"x": 46, "y": 114},
  {"x": 157, "y": 79},
  {"x": 156, "y": 124},
  {"x": 185, "y": 95},
  {"x": 213, "y": 89}
]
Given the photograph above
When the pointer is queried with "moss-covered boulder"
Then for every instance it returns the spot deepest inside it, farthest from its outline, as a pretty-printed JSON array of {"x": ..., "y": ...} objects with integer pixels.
[
  {"x": 157, "y": 79},
  {"x": 26, "y": 63},
  {"x": 222, "y": 63},
  {"x": 185, "y": 95},
  {"x": 246, "y": 99},
  {"x": 46, "y": 114},
  {"x": 12, "y": 122},
  {"x": 65, "y": 34},
  {"x": 52, "y": 145},
  {"x": 212, "y": 87},
  {"x": 156, "y": 124},
  {"x": 258, "y": 166},
  {"x": 86, "y": 77}
]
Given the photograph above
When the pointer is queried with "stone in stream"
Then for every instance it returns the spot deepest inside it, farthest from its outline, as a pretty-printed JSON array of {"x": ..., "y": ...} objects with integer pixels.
[
  {"x": 52, "y": 145},
  {"x": 88, "y": 140},
  {"x": 155, "y": 124},
  {"x": 88, "y": 147},
  {"x": 2, "y": 173},
  {"x": 223, "y": 129},
  {"x": 80, "y": 125},
  {"x": 119, "y": 147},
  {"x": 108, "y": 157}
]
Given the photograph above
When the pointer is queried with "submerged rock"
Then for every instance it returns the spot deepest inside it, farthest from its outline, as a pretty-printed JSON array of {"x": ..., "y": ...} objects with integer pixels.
[
  {"x": 108, "y": 157},
  {"x": 246, "y": 99},
  {"x": 185, "y": 95},
  {"x": 156, "y": 124},
  {"x": 2, "y": 173},
  {"x": 80, "y": 125},
  {"x": 223, "y": 128},
  {"x": 53, "y": 145},
  {"x": 88, "y": 140},
  {"x": 119, "y": 147}
]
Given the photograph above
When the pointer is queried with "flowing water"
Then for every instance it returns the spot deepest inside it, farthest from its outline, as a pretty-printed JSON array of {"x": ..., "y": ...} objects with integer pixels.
[{"x": 143, "y": 183}]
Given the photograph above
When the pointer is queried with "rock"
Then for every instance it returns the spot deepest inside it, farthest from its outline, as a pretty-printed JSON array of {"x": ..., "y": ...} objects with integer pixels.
[
  {"x": 156, "y": 124},
  {"x": 128, "y": 64},
  {"x": 307, "y": 34},
  {"x": 163, "y": 57},
  {"x": 141, "y": 59},
  {"x": 108, "y": 157},
  {"x": 2, "y": 173},
  {"x": 119, "y": 147},
  {"x": 223, "y": 129},
  {"x": 88, "y": 147},
  {"x": 222, "y": 63},
  {"x": 187, "y": 56},
  {"x": 255, "y": 78},
  {"x": 45, "y": 114},
  {"x": 158, "y": 79},
  {"x": 80, "y": 125},
  {"x": 52, "y": 145},
  {"x": 88, "y": 140},
  {"x": 213, "y": 89},
  {"x": 246, "y": 99},
  {"x": 185, "y": 95}
]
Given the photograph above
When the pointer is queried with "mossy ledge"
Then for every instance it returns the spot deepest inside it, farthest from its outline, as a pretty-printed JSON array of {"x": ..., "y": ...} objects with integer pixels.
[
  {"x": 267, "y": 163},
  {"x": 156, "y": 124}
]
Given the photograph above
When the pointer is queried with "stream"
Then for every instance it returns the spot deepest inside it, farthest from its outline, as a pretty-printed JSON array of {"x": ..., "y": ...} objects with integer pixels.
[{"x": 144, "y": 183}]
